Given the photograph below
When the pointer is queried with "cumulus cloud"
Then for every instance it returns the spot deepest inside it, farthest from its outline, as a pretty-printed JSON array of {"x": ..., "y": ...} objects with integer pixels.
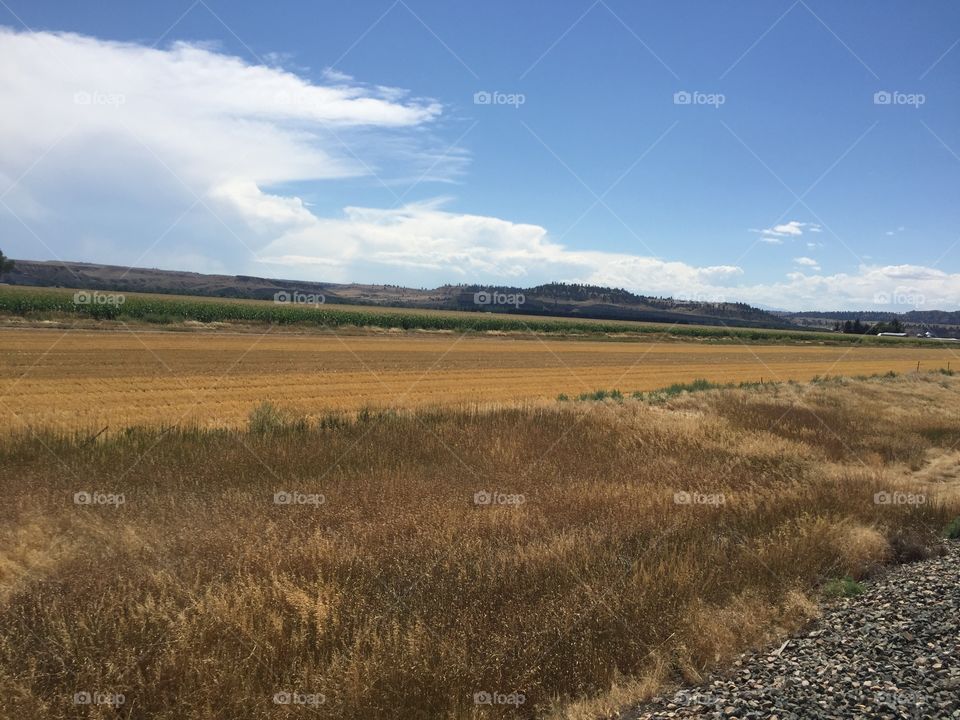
[
  {"x": 200, "y": 111},
  {"x": 88, "y": 115},
  {"x": 118, "y": 152},
  {"x": 472, "y": 248},
  {"x": 807, "y": 262},
  {"x": 890, "y": 287}
]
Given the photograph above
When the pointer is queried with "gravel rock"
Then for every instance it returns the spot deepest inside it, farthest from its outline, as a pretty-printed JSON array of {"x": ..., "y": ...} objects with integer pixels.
[{"x": 892, "y": 652}]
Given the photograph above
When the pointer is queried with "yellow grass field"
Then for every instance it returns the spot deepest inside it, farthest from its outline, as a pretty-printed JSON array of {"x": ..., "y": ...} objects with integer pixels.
[
  {"x": 83, "y": 379},
  {"x": 553, "y": 554}
]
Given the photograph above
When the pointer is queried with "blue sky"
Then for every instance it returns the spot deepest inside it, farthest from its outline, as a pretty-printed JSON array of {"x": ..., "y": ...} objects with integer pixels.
[{"x": 344, "y": 142}]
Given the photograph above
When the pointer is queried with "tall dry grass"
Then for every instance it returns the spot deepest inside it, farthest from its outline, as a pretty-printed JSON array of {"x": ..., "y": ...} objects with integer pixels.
[{"x": 399, "y": 596}]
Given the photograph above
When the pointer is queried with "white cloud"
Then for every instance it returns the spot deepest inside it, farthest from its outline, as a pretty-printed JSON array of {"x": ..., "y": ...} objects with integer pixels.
[
  {"x": 209, "y": 120},
  {"x": 792, "y": 229},
  {"x": 472, "y": 248},
  {"x": 869, "y": 287},
  {"x": 806, "y": 261}
]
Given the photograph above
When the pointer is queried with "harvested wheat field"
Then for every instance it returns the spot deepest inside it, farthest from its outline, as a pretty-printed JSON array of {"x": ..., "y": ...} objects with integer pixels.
[{"x": 84, "y": 379}]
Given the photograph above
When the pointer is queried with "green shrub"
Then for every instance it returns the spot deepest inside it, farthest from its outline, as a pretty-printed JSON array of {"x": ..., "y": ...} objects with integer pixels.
[
  {"x": 595, "y": 395},
  {"x": 268, "y": 418},
  {"x": 842, "y": 587},
  {"x": 698, "y": 385},
  {"x": 953, "y": 529}
]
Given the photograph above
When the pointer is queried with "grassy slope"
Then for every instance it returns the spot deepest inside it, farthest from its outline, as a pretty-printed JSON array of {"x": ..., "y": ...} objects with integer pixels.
[{"x": 400, "y": 597}]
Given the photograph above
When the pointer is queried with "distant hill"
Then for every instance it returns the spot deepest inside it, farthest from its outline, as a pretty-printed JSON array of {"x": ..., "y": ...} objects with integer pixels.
[
  {"x": 554, "y": 299},
  {"x": 941, "y": 323}
]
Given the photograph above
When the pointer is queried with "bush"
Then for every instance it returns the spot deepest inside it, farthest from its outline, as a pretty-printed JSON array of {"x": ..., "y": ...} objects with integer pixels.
[
  {"x": 912, "y": 544},
  {"x": 600, "y": 395}
]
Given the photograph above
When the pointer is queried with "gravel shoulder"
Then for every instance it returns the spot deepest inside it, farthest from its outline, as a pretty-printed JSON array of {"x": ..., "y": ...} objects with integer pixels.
[{"x": 891, "y": 652}]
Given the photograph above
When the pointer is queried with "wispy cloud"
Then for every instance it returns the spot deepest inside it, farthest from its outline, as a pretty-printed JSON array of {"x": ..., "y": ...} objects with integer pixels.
[
  {"x": 807, "y": 262},
  {"x": 792, "y": 229}
]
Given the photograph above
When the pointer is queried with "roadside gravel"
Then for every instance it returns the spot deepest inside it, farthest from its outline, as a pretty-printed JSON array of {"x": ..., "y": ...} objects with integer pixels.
[{"x": 891, "y": 652}]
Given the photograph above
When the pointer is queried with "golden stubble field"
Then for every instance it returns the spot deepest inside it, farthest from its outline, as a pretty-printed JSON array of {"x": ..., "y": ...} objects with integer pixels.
[{"x": 82, "y": 379}]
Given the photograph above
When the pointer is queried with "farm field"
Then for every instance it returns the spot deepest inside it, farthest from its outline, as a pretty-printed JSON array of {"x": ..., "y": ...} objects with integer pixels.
[
  {"x": 81, "y": 379},
  {"x": 554, "y": 561},
  {"x": 171, "y": 311}
]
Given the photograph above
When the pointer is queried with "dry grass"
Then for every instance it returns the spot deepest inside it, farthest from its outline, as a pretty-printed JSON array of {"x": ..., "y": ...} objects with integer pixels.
[
  {"x": 65, "y": 380},
  {"x": 398, "y": 596}
]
